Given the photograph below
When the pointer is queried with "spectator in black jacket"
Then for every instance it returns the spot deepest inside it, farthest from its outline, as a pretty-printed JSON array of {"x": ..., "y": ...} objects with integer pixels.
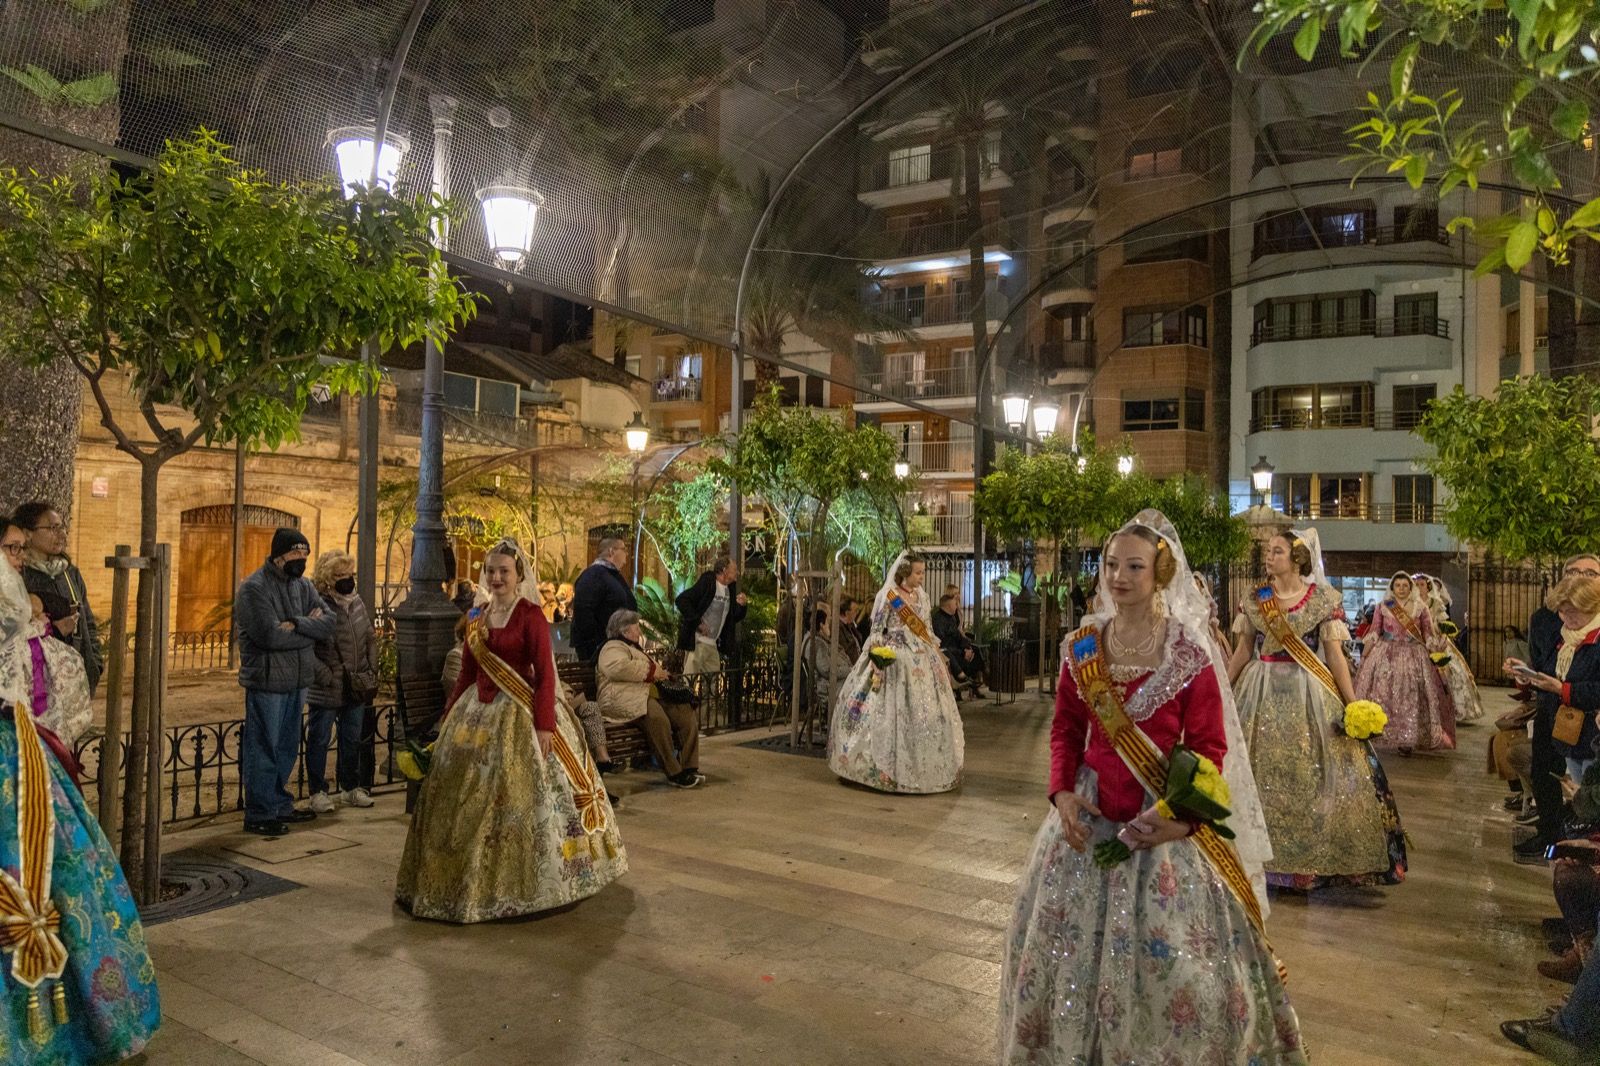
[
  {"x": 600, "y": 592},
  {"x": 51, "y": 575},
  {"x": 1544, "y": 639},
  {"x": 709, "y": 612},
  {"x": 966, "y": 661}
]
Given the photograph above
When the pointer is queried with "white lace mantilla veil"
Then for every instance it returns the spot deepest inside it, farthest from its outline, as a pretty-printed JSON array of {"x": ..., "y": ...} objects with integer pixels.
[
  {"x": 1190, "y": 610},
  {"x": 888, "y": 587},
  {"x": 14, "y": 617},
  {"x": 1313, "y": 544},
  {"x": 527, "y": 587}
]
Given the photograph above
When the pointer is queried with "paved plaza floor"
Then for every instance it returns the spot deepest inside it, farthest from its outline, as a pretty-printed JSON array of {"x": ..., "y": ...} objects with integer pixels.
[{"x": 778, "y": 916}]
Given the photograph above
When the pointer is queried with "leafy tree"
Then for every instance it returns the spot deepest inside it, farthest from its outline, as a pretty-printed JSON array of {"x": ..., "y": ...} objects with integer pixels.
[
  {"x": 802, "y": 465},
  {"x": 1521, "y": 467},
  {"x": 682, "y": 520},
  {"x": 1054, "y": 495},
  {"x": 1211, "y": 534},
  {"x": 1529, "y": 109},
  {"x": 215, "y": 295}
]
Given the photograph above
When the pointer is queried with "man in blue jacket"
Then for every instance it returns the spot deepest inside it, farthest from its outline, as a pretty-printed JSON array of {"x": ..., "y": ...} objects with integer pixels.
[
  {"x": 600, "y": 592},
  {"x": 279, "y": 619}
]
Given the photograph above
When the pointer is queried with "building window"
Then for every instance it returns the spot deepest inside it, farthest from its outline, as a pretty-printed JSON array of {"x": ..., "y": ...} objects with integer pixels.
[
  {"x": 1416, "y": 314},
  {"x": 1185, "y": 410},
  {"x": 1417, "y": 223},
  {"x": 1340, "y": 405},
  {"x": 1324, "y": 495},
  {"x": 1138, "y": 8},
  {"x": 1333, "y": 314},
  {"x": 1143, "y": 329},
  {"x": 907, "y": 303},
  {"x": 988, "y": 161},
  {"x": 1339, "y": 226},
  {"x": 910, "y": 166},
  {"x": 1154, "y": 159},
  {"x": 1413, "y": 498},
  {"x": 689, "y": 366},
  {"x": 1411, "y": 402},
  {"x": 468, "y": 393}
]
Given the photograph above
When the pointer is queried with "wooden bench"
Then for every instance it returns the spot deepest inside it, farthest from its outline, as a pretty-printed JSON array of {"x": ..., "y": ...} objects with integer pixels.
[{"x": 625, "y": 741}]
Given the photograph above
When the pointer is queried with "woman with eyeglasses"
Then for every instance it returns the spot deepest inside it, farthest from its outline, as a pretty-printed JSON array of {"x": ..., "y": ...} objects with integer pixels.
[
  {"x": 49, "y": 670},
  {"x": 50, "y": 575}
]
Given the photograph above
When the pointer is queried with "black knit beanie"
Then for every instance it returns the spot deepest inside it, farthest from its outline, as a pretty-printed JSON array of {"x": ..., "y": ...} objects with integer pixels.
[{"x": 286, "y": 540}]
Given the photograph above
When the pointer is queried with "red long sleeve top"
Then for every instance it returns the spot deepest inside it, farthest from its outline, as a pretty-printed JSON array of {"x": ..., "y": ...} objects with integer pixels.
[
  {"x": 1194, "y": 716},
  {"x": 524, "y": 643}
]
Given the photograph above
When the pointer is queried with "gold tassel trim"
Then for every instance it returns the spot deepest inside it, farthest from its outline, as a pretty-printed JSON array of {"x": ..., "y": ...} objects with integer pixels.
[
  {"x": 58, "y": 999},
  {"x": 38, "y": 1026}
]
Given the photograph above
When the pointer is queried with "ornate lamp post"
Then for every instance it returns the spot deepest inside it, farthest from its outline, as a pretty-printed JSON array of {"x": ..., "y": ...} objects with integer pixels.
[
  {"x": 509, "y": 215},
  {"x": 1046, "y": 414},
  {"x": 637, "y": 436},
  {"x": 1014, "y": 410},
  {"x": 1261, "y": 478}
]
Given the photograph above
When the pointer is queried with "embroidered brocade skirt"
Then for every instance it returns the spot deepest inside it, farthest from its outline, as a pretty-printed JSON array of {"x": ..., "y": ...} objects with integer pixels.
[
  {"x": 1400, "y": 678},
  {"x": 1153, "y": 961},
  {"x": 112, "y": 1003},
  {"x": 1329, "y": 810},
  {"x": 1463, "y": 688},
  {"x": 902, "y": 734},
  {"x": 496, "y": 831}
]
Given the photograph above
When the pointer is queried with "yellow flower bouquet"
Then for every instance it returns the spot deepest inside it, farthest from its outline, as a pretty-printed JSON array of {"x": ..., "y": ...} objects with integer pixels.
[
  {"x": 414, "y": 760},
  {"x": 1363, "y": 720},
  {"x": 1450, "y": 629},
  {"x": 1441, "y": 659},
  {"x": 882, "y": 657},
  {"x": 1196, "y": 791}
]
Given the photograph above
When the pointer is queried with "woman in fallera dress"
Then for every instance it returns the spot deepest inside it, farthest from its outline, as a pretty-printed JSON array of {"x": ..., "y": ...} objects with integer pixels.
[
  {"x": 1397, "y": 674},
  {"x": 76, "y": 982},
  {"x": 1160, "y": 958},
  {"x": 512, "y": 817},
  {"x": 1458, "y": 679},
  {"x": 1329, "y": 810},
  {"x": 896, "y": 728}
]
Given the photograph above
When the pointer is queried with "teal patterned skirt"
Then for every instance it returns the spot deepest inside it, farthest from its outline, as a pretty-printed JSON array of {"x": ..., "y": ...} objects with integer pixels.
[{"x": 110, "y": 982}]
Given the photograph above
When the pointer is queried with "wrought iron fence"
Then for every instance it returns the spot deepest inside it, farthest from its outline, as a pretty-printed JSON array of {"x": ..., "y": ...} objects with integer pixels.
[
  {"x": 1501, "y": 599},
  {"x": 201, "y": 771}
]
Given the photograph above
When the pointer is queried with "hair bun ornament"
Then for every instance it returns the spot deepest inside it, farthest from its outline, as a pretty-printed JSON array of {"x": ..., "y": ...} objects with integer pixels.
[
  {"x": 1161, "y": 544},
  {"x": 1298, "y": 543}
]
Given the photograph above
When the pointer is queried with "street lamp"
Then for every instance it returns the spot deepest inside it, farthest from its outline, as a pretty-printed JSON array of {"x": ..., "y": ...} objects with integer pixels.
[
  {"x": 509, "y": 215},
  {"x": 1125, "y": 465},
  {"x": 1014, "y": 409},
  {"x": 637, "y": 434},
  {"x": 1261, "y": 478},
  {"x": 352, "y": 149},
  {"x": 1046, "y": 413},
  {"x": 902, "y": 469}
]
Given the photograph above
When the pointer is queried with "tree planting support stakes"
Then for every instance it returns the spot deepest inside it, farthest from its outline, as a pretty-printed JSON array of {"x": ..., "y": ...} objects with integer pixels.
[
  {"x": 109, "y": 772},
  {"x": 140, "y": 844}
]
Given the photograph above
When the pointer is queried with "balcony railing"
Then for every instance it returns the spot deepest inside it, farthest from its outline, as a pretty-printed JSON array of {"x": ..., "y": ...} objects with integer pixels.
[
  {"x": 1403, "y": 326},
  {"x": 900, "y": 382},
  {"x": 467, "y": 426},
  {"x": 1307, "y": 418},
  {"x": 939, "y": 309},
  {"x": 669, "y": 389},
  {"x": 1388, "y": 513},
  {"x": 935, "y": 237},
  {"x": 1353, "y": 238},
  {"x": 883, "y": 171},
  {"x": 1066, "y": 355},
  {"x": 1080, "y": 275},
  {"x": 952, "y": 456},
  {"x": 952, "y": 528}
]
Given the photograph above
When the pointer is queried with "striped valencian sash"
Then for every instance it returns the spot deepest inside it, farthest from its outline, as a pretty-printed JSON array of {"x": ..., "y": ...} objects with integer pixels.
[
  {"x": 1278, "y": 625},
  {"x": 588, "y": 792},
  {"x": 1149, "y": 766},
  {"x": 1407, "y": 623},
  {"x": 912, "y": 620},
  {"x": 30, "y": 924}
]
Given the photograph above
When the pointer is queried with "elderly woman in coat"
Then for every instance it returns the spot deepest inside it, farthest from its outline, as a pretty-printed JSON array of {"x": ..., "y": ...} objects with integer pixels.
[
  {"x": 625, "y": 678},
  {"x": 347, "y": 683}
]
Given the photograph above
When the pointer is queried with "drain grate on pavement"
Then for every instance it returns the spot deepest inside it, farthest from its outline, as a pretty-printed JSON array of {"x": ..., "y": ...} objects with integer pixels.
[
  {"x": 195, "y": 882},
  {"x": 817, "y": 749}
]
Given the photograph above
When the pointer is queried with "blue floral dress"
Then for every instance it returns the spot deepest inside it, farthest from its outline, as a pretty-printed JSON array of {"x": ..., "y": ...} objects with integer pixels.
[{"x": 110, "y": 982}]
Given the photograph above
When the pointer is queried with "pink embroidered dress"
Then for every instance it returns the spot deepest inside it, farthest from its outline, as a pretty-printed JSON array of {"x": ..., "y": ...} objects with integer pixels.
[{"x": 1397, "y": 674}]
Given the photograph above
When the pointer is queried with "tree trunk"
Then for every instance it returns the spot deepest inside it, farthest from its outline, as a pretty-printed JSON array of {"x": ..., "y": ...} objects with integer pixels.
[
  {"x": 40, "y": 409},
  {"x": 137, "y": 804}
]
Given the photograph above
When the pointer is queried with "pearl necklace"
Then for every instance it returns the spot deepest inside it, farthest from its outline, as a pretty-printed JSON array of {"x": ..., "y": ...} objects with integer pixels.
[{"x": 1136, "y": 651}]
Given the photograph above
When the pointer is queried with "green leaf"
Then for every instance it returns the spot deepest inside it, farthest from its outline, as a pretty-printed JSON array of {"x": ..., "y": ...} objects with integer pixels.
[
  {"x": 1401, "y": 70},
  {"x": 1306, "y": 38},
  {"x": 91, "y": 91},
  {"x": 1520, "y": 244},
  {"x": 1570, "y": 118},
  {"x": 1587, "y": 216},
  {"x": 1416, "y": 171}
]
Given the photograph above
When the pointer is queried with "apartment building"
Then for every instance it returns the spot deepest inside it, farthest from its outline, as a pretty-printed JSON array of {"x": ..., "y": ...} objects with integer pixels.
[{"x": 1353, "y": 311}]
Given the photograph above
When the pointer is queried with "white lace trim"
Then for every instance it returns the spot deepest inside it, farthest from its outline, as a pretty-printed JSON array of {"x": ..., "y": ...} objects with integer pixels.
[{"x": 1181, "y": 660}]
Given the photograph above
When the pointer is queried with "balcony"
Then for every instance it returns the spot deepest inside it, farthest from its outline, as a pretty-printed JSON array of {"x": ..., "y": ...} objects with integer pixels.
[
  {"x": 918, "y": 312},
  {"x": 937, "y": 246},
  {"x": 901, "y": 382},
  {"x": 1309, "y": 418},
  {"x": 1511, "y": 361},
  {"x": 952, "y": 530},
  {"x": 1362, "y": 511},
  {"x": 466, "y": 426},
  {"x": 888, "y": 180},
  {"x": 1404, "y": 326},
  {"x": 934, "y": 457},
  {"x": 1354, "y": 237},
  {"x": 678, "y": 389},
  {"x": 1066, "y": 355},
  {"x": 1074, "y": 285}
]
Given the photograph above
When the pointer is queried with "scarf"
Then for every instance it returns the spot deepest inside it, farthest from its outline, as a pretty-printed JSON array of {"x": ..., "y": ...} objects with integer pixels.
[
  {"x": 53, "y": 565},
  {"x": 1571, "y": 640}
]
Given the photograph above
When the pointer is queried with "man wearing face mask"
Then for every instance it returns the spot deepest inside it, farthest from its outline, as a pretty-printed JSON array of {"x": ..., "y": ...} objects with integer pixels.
[{"x": 280, "y": 620}]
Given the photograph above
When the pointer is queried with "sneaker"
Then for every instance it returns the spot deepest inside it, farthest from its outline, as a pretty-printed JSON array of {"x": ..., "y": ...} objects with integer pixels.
[
  {"x": 1513, "y": 802},
  {"x": 689, "y": 779},
  {"x": 321, "y": 803},
  {"x": 356, "y": 797},
  {"x": 1529, "y": 816},
  {"x": 266, "y": 829},
  {"x": 1530, "y": 852}
]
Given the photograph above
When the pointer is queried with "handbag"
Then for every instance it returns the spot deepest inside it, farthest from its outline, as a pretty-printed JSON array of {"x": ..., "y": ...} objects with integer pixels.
[
  {"x": 1569, "y": 725},
  {"x": 676, "y": 692}
]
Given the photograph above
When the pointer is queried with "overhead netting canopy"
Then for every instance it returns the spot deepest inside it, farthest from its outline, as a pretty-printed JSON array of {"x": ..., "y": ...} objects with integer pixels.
[{"x": 705, "y": 165}]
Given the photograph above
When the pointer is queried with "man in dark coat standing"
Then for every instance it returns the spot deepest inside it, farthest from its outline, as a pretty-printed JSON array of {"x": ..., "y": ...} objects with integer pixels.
[
  {"x": 600, "y": 592},
  {"x": 1544, "y": 637},
  {"x": 710, "y": 611}
]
